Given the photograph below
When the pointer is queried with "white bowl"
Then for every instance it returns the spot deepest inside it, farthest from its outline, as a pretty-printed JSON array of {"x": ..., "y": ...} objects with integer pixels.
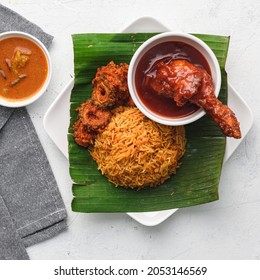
[
  {"x": 36, "y": 96},
  {"x": 191, "y": 40}
]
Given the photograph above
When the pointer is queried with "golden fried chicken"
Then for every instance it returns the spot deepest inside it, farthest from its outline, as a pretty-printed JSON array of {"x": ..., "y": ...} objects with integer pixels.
[
  {"x": 110, "y": 85},
  {"x": 81, "y": 136},
  {"x": 185, "y": 82},
  {"x": 91, "y": 121},
  {"x": 110, "y": 89},
  {"x": 94, "y": 118}
]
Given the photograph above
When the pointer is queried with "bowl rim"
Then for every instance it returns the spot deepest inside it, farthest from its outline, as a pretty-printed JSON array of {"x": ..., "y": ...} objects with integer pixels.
[
  {"x": 30, "y": 100},
  {"x": 145, "y": 46}
]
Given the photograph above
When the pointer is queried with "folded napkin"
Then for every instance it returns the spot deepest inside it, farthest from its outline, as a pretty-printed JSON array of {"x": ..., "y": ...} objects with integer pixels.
[{"x": 31, "y": 207}]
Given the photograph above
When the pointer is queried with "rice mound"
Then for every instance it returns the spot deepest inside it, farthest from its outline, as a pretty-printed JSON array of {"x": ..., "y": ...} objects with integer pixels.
[{"x": 134, "y": 151}]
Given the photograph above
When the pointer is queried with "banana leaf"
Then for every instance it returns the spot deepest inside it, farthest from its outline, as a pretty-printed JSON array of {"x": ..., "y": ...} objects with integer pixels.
[{"x": 197, "y": 179}]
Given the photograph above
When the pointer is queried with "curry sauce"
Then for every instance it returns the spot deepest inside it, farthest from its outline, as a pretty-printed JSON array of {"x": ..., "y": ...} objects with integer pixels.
[
  {"x": 23, "y": 68},
  {"x": 165, "y": 52}
]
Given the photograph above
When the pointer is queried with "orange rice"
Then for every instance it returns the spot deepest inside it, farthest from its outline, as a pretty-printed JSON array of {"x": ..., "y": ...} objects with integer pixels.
[{"x": 135, "y": 151}]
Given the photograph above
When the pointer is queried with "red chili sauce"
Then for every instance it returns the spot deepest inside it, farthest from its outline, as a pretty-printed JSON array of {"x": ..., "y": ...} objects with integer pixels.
[{"x": 159, "y": 104}]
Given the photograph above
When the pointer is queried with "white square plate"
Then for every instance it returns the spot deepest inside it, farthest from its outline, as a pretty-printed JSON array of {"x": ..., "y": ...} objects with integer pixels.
[{"x": 57, "y": 118}]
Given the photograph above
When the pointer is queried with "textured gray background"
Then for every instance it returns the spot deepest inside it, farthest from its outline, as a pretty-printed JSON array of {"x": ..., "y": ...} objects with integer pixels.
[{"x": 226, "y": 229}]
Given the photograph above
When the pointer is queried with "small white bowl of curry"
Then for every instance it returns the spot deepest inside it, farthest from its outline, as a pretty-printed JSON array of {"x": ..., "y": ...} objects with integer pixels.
[
  {"x": 165, "y": 72},
  {"x": 25, "y": 69}
]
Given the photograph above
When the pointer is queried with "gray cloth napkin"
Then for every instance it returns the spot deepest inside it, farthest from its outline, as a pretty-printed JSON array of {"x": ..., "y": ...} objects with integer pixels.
[{"x": 31, "y": 207}]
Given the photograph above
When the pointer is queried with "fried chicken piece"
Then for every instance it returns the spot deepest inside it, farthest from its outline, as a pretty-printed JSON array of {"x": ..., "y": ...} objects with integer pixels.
[
  {"x": 91, "y": 121},
  {"x": 110, "y": 85},
  {"x": 110, "y": 89},
  {"x": 81, "y": 136},
  {"x": 185, "y": 82},
  {"x": 94, "y": 118}
]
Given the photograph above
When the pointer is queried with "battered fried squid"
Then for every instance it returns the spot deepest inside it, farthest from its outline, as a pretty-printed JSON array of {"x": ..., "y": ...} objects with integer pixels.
[{"x": 185, "y": 82}]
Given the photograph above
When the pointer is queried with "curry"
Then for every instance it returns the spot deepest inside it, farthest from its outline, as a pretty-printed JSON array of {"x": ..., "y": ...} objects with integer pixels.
[{"x": 23, "y": 68}]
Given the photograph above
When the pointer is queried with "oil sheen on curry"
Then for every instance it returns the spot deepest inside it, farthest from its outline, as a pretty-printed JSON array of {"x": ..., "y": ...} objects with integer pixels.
[
  {"x": 165, "y": 52},
  {"x": 23, "y": 69}
]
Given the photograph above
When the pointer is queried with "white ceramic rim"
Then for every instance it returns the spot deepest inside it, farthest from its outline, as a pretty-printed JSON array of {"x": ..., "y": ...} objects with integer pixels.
[
  {"x": 16, "y": 104},
  {"x": 202, "y": 47}
]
